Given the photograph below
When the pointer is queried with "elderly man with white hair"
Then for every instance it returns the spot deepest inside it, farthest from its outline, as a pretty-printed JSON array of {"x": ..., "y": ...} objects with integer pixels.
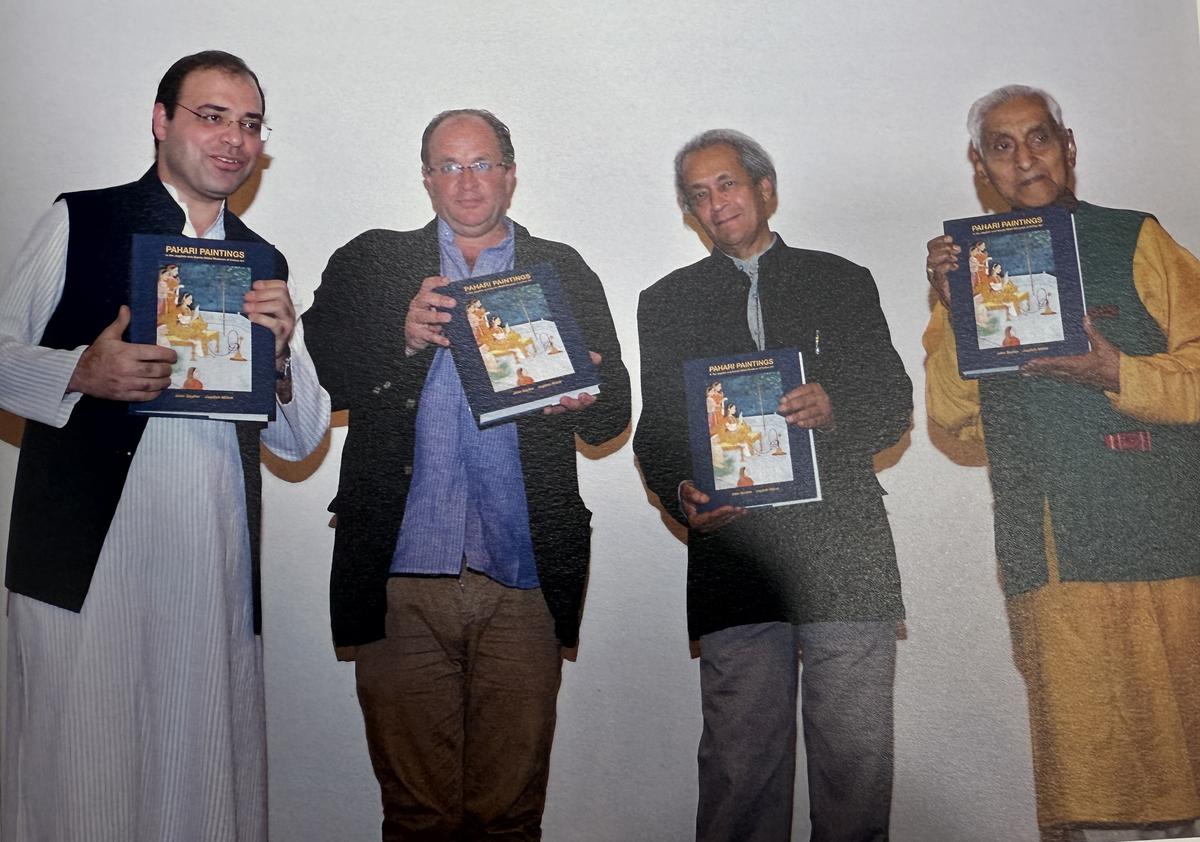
[{"x": 1095, "y": 471}]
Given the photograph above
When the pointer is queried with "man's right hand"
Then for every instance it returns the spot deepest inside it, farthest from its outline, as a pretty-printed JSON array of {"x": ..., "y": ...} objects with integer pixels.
[
  {"x": 423, "y": 324},
  {"x": 691, "y": 498},
  {"x": 941, "y": 261},
  {"x": 116, "y": 370}
]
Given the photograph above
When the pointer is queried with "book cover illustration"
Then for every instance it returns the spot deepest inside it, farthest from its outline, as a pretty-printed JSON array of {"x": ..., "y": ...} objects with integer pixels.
[
  {"x": 1017, "y": 293},
  {"x": 187, "y": 295},
  {"x": 743, "y": 452},
  {"x": 515, "y": 343}
]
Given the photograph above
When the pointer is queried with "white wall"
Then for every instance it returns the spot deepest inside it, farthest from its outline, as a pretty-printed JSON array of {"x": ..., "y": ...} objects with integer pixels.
[{"x": 862, "y": 105}]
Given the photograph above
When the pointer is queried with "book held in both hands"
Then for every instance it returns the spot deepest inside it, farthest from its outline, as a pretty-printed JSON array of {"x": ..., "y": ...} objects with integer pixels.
[
  {"x": 515, "y": 343},
  {"x": 187, "y": 295},
  {"x": 743, "y": 452},
  {"x": 1018, "y": 292}
]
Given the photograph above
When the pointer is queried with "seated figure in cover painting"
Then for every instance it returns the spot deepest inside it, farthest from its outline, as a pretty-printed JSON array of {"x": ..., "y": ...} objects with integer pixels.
[
  {"x": 189, "y": 327},
  {"x": 736, "y": 431},
  {"x": 999, "y": 293},
  {"x": 729, "y": 432},
  {"x": 504, "y": 340}
]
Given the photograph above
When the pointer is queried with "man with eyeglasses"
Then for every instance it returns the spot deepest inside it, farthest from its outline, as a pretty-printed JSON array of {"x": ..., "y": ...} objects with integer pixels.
[
  {"x": 1094, "y": 462},
  {"x": 461, "y": 554},
  {"x": 770, "y": 588},
  {"x": 134, "y": 670}
]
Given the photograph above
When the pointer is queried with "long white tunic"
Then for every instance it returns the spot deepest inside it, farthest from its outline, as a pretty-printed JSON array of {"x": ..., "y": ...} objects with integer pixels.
[{"x": 141, "y": 717}]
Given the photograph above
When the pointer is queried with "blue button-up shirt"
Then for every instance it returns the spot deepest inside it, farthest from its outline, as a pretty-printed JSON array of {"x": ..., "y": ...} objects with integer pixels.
[{"x": 467, "y": 501}]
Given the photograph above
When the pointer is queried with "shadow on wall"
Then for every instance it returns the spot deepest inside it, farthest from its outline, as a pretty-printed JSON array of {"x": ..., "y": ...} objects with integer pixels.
[
  {"x": 967, "y": 454},
  {"x": 11, "y": 428},
  {"x": 299, "y": 471},
  {"x": 673, "y": 526},
  {"x": 888, "y": 457},
  {"x": 241, "y": 200},
  {"x": 599, "y": 451},
  {"x": 296, "y": 471}
]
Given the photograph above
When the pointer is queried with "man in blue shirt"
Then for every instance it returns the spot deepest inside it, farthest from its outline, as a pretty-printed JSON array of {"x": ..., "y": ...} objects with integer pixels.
[{"x": 461, "y": 554}]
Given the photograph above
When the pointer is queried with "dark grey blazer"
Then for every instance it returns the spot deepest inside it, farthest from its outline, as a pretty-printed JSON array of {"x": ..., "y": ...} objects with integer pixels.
[{"x": 355, "y": 333}]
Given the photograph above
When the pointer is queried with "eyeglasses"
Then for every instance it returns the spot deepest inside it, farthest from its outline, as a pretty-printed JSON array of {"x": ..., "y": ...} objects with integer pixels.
[
  {"x": 250, "y": 127},
  {"x": 480, "y": 168}
]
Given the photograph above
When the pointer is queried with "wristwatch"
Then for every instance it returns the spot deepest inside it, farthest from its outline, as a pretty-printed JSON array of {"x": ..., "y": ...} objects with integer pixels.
[{"x": 285, "y": 373}]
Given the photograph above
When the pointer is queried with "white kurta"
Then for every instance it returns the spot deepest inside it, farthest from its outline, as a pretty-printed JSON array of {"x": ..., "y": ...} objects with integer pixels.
[{"x": 141, "y": 717}]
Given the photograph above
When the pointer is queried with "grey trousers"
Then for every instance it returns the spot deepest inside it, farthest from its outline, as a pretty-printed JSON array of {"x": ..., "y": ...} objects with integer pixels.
[{"x": 748, "y": 686}]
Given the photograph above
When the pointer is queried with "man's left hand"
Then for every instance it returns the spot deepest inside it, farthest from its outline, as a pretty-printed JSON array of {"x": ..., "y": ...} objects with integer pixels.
[
  {"x": 807, "y": 406},
  {"x": 269, "y": 304},
  {"x": 1099, "y": 369},
  {"x": 566, "y": 402}
]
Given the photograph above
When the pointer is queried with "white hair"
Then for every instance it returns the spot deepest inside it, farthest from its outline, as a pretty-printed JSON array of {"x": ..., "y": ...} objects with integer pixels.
[{"x": 983, "y": 106}]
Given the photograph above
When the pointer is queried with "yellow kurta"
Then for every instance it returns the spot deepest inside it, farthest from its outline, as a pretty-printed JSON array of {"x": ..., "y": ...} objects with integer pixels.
[{"x": 1112, "y": 669}]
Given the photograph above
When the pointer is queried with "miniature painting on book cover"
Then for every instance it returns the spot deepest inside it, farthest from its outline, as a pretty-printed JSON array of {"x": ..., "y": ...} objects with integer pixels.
[
  {"x": 1015, "y": 290},
  {"x": 199, "y": 317},
  {"x": 518, "y": 340},
  {"x": 743, "y": 452},
  {"x": 187, "y": 295},
  {"x": 749, "y": 441}
]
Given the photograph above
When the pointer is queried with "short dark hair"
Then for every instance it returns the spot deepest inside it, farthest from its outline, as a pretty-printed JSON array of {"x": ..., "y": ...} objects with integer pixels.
[
  {"x": 503, "y": 136},
  {"x": 172, "y": 80},
  {"x": 754, "y": 159}
]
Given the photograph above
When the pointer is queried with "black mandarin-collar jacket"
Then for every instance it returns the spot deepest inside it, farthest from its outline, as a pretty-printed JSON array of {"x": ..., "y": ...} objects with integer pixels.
[{"x": 830, "y": 560}]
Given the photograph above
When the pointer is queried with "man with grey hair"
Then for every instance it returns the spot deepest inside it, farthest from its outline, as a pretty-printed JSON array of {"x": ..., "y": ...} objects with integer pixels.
[
  {"x": 771, "y": 587},
  {"x": 461, "y": 554},
  {"x": 1095, "y": 469}
]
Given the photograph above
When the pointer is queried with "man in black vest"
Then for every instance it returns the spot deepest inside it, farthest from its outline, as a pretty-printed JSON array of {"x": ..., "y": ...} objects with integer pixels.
[
  {"x": 1095, "y": 469},
  {"x": 766, "y": 583},
  {"x": 134, "y": 673},
  {"x": 461, "y": 554}
]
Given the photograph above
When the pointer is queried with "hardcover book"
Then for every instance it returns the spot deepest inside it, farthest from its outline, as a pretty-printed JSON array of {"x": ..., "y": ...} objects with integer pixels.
[
  {"x": 515, "y": 343},
  {"x": 186, "y": 294},
  {"x": 1017, "y": 293},
  {"x": 743, "y": 452}
]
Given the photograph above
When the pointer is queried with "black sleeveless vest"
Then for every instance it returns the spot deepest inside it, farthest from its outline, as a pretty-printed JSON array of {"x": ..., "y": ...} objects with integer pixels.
[{"x": 70, "y": 480}]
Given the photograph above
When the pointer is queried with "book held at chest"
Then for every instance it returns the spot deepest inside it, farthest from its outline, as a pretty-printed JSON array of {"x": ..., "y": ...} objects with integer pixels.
[
  {"x": 516, "y": 344},
  {"x": 1018, "y": 292},
  {"x": 187, "y": 295},
  {"x": 743, "y": 452}
]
